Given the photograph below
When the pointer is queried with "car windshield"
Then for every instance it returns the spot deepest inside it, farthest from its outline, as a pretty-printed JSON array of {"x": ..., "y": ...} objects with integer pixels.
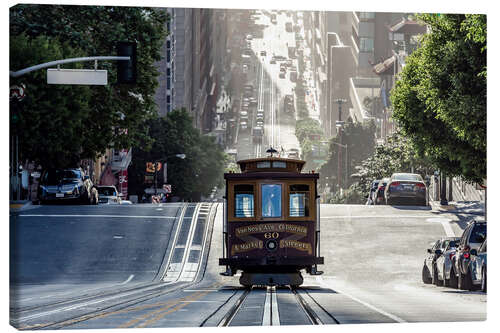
[
  {"x": 107, "y": 191},
  {"x": 478, "y": 234},
  {"x": 407, "y": 176},
  {"x": 56, "y": 176}
]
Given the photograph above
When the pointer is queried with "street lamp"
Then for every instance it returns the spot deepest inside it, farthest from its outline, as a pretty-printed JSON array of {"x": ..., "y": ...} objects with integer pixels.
[
  {"x": 346, "y": 166},
  {"x": 181, "y": 156}
]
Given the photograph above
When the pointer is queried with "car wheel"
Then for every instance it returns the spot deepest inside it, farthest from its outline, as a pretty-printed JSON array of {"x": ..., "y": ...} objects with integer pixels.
[
  {"x": 483, "y": 279},
  {"x": 435, "y": 277},
  {"x": 464, "y": 281},
  {"x": 426, "y": 278},
  {"x": 453, "y": 278}
]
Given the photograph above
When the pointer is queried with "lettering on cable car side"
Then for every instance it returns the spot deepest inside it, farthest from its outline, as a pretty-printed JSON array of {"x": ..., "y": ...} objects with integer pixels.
[
  {"x": 262, "y": 228},
  {"x": 238, "y": 248},
  {"x": 301, "y": 246}
]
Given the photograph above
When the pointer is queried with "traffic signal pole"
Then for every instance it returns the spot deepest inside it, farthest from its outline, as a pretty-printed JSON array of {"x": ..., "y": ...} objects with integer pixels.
[{"x": 63, "y": 61}]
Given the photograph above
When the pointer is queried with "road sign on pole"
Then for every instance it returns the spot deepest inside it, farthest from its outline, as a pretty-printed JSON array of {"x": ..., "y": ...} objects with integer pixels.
[
  {"x": 167, "y": 188},
  {"x": 77, "y": 76}
]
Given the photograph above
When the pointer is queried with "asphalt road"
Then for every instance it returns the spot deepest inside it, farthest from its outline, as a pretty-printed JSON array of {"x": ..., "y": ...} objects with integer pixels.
[{"x": 82, "y": 276}]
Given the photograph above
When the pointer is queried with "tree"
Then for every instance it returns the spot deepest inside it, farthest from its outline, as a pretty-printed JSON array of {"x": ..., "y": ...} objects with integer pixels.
[
  {"x": 360, "y": 141},
  {"x": 440, "y": 98},
  {"x": 192, "y": 177},
  {"x": 397, "y": 155},
  {"x": 81, "y": 122}
]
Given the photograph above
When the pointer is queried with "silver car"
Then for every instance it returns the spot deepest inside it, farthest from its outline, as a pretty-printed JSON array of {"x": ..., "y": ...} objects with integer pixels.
[
  {"x": 445, "y": 261},
  {"x": 108, "y": 195},
  {"x": 478, "y": 266}
]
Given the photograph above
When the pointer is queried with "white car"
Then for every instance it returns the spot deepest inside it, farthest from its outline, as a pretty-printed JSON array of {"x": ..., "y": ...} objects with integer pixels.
[{"x": 108, "y": 194}]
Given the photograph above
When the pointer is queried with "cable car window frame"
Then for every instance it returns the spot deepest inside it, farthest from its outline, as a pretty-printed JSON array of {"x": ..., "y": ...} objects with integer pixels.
[
  {"x": 306, "y": 195},
  {"x": 232, "y": 202},
  {"x": 282, "y": 196}
]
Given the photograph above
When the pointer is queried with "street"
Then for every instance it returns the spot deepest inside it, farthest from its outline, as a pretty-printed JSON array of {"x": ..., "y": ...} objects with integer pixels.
[
  {"x": 157, "y": 266},
  {"x": 103, "y": 235}
]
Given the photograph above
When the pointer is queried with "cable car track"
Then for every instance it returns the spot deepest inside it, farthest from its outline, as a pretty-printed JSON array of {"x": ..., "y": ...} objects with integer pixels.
[{"x": 271, "y": 316}]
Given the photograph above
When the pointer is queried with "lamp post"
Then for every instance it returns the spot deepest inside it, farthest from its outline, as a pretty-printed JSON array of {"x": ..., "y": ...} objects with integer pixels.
[
  {"x": 181, "y": 156},
  {"x": 339, "y": 124},
  {"x": 346, "y": 166}
]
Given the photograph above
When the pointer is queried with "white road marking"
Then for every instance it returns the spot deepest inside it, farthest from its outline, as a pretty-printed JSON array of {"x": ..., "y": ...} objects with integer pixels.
[
  {"x": 368, "y": 305},
  {"x": 274, "y": 307},
  {"x": 266, "y": 319},
  {"x": 446, "y": 225},
  {"x": 117, "y": 237},
  {"x": 129, "y": 279},
  {"x": 111, "y": 216}
]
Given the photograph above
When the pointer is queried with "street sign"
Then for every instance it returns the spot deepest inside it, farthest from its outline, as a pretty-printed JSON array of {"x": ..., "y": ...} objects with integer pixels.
[
  {"x": 77, "y": 76},
  {"x": 17, "y": 92},
  {"x": 167, "y": 188}
]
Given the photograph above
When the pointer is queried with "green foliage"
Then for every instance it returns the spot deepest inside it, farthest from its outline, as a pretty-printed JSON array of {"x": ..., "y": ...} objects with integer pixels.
[
  {"x": 77, "y": 122},
  {"x": 440, "y": 99},
  {"x": 397, "y": 155},
  {"x": 360, "y": 141},
  {"x": 192, "y": 177}
]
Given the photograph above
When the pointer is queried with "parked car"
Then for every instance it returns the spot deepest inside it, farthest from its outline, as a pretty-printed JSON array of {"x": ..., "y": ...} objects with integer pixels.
[
  {"x": 258, "y": 133},
  {"x": 472, "y": 238},
  {"x": 67, "y": 185},
  {"x": 288, "y": 103},
  {"x": 273, "y": 60},
  {"x": 243, "y": 126},
  {"x": 293, "y": 153},
  {"x": 444, "y": 263},
  {"x": 108, "y": 195},
  {"x": 429, "y": 270},
  {"x": 282, "y": 75},
  {"x": 406, "y": 188},
  {"x": 259, "y": 123},
  {"x": 478, "y": 266},
  {"x": 263, "y": 53},
  {"x": 380, "y": 192},
  {"x": 373, "y": 190}
]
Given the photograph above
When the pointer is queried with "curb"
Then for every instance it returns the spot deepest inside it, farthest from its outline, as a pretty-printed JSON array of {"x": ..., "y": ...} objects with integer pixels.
[{"x": 19, "y": 206}]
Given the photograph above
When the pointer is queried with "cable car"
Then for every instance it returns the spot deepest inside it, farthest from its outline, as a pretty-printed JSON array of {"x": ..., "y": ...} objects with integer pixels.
[{"x": 271, "y": 222}]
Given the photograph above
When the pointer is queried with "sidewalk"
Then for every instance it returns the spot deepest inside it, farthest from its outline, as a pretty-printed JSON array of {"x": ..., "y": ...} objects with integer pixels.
[
  {"x": 460, "y": 207},
  {"x": 16, "y": 206}
]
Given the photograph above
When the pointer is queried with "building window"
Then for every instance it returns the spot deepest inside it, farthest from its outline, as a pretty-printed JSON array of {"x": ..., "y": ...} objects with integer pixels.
[
  {"x": 168, "y": 99},
  {"x": 243, "y": 201},
  {"x": 271, "y": 200},
  {"x": 366, "y": 44},
  {"x": 168, "y": 72},
  {"x": 168, "y": 44},
  {"x": 366, "y": 15},
  {"x": 168, "y": 55},
  {"x": 168, "y": 83}
]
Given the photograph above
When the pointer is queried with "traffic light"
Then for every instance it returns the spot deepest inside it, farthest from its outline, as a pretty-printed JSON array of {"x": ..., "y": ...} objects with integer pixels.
[{"x": 127, "y": 70}]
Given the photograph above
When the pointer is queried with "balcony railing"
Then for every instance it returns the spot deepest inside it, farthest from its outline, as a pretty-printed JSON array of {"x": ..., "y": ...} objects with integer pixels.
[{"x": 121, "y": 159}]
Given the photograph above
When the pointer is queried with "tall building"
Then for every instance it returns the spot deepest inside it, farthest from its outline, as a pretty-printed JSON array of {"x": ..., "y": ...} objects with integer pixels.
[{"x": 194, "y": 56}]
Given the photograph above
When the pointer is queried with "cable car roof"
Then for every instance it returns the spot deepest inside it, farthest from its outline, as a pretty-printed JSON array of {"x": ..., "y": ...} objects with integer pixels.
[{"x": 271, "y": 164}]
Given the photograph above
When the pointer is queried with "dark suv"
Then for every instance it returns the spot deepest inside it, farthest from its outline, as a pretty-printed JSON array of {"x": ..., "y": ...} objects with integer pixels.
[
  {"x": 66, "y": 185},
  {"x": 472, "y": 238}
]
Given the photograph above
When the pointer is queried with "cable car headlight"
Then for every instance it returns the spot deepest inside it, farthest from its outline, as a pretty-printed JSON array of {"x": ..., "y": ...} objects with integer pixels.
[{"x": 272, "y": 245}]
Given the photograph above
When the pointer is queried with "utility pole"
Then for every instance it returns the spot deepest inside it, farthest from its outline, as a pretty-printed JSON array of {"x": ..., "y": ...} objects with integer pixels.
[
  {"x": 339, "y": 124},
  {"x": 444, "y": 201}
]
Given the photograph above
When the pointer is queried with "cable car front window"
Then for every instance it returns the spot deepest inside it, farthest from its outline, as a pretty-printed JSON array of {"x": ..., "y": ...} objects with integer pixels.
[
  {"x": 243, "y": 201},
  {"x": 271, "y": 200},
  {"x": 299, "y": 200}
]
